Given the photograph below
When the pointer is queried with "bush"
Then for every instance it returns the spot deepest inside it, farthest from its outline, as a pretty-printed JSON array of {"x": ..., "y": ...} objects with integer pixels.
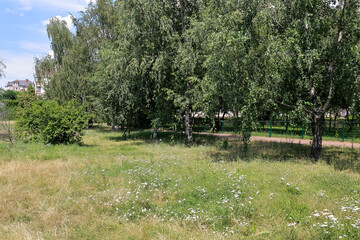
[
  {"x": 52, "y": 123},
  {"x": 9, "y": 95},
  {"x": 11, "y": 107}
]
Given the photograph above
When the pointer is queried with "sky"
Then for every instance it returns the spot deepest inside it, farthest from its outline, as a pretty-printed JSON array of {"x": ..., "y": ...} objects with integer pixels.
[{"x": 23, "y": 32}]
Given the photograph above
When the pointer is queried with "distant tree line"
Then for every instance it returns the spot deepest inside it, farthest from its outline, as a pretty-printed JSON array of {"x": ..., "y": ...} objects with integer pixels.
[{"x": 136, "y": 63}]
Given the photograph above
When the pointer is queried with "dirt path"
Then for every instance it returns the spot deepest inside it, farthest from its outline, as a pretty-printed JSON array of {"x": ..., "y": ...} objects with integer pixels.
[{"x": 287, "y": 140}]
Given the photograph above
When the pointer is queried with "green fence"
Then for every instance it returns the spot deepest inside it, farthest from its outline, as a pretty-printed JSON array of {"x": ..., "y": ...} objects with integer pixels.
[{"x": 340, "y": 130}]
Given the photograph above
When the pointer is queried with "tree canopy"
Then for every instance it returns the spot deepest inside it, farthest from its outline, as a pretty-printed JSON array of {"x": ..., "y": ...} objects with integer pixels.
[{"x": 136, "y": 63}]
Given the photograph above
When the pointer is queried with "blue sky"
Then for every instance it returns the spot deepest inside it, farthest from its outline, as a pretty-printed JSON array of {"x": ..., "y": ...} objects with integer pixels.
[{"x": 23, "y": 32}]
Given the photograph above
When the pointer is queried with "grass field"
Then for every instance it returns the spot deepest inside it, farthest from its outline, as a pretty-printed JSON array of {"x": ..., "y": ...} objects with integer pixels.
[{"x": 135, "y": 188}]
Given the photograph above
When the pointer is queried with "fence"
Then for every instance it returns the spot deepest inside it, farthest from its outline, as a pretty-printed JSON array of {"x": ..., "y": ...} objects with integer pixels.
[{"x": 339, "y": 130}]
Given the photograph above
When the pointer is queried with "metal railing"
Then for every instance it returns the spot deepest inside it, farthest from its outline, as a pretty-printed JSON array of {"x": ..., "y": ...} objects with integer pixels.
[{"x": 339, "y": 130}]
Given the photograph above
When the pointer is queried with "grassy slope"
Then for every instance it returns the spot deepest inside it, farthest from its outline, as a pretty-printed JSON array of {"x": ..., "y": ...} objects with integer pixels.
[{"x": 137, "y": 189}]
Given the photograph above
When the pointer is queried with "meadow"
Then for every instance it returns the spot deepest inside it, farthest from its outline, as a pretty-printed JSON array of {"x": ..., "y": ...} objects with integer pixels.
[{"x": 132, "y": 187}]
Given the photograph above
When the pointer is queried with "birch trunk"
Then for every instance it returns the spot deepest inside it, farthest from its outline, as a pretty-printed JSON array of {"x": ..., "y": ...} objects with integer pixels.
[
  {"x": 188, "y": 127},
  {"x": 316, "y": 125},
  {"x": 155, "y": 133}
]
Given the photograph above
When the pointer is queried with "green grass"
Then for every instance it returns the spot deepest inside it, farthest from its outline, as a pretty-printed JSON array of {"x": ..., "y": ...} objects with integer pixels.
[{"x": 135, "y": 188}]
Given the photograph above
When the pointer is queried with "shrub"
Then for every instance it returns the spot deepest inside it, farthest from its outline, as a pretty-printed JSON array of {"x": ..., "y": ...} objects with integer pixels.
[
  {"x": 9, "y": 95},
  {"x": 11, "y": 107},
  {"x": 52, "y": 123}
]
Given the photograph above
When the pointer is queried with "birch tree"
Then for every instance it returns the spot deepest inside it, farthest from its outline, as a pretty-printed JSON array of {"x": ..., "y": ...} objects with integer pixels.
[
  {"x": 312, "y": 48},
  {"x": 2, "y": 69}
]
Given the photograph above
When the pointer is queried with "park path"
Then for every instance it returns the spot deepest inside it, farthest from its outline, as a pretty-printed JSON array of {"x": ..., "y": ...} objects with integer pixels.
[{"x": 286, "y": 140}]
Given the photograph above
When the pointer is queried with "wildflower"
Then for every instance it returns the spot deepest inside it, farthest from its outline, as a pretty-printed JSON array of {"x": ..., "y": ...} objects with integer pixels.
[{"x": 292, "y": 224}]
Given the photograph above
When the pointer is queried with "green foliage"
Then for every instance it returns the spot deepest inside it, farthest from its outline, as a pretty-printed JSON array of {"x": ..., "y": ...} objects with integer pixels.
[
  {"x": 313, "y": 57},
  {"x": 26, "y": 98},
  {"x": 223, "y": 145},
  {"x": 2, "y": 67},
  {"x": 135, "y": 61},
  {"x": 9, "y": 95},
  {"x": 11, "y": 108},
  {"x": 51, "y": 122},
  {"x": 12, "y": 103},
  {"x": 8, "y": 98},
  {"x": 44, "y": 69},
  {"x": 60, "y": 36}
]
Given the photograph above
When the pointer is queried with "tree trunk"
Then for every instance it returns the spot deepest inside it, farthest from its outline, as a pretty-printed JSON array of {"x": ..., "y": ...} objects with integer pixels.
[
  {"x": 336, "y": 121},
  {"x": 188, "y": 126},
  {"x": 155, "y": 133},
  {"x": 316, "y": 125},
  {"x": 348, "y": 121},
  {"x": 11, "y": 138},
  {"x": 217, "y": 121},
  {"x": 113, "y": 126}
]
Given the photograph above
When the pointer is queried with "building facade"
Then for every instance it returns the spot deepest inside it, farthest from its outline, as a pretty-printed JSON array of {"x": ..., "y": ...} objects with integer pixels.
[{"x": 19, "y": 85}]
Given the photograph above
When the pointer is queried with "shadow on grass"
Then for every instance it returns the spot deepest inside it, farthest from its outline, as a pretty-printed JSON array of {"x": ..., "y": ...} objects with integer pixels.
[
  {"x": 343, "y": 158},
  {"x": 227, "y": 149},
  {"x": 340, "y": 158},
  {"x": 232, "y": 149},
  {"x": 101, "y": 128},
  {"x": 267, "y": 151},
  {"x": 3, "y": 136},
  {"x": 172, "y": 138}
]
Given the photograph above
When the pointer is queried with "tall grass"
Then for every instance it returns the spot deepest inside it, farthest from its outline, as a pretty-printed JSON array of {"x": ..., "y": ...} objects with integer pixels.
[{"x": 136, "y": 188}]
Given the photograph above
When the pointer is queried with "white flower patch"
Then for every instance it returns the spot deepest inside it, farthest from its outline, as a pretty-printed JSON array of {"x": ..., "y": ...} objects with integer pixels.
[{"x": 292, "y": 224}]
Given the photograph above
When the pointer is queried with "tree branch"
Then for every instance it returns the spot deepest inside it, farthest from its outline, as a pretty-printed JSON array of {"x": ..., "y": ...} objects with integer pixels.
[
  {"x": 338, "y": 40},
  {"x": 290, "y": 106}
]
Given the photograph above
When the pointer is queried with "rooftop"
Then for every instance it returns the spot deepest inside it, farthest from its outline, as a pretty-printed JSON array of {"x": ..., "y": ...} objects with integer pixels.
[{"x": 24, "y": 83}]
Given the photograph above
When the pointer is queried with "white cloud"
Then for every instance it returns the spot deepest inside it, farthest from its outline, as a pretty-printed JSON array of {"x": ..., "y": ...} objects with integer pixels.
[
  {"x": 36, "y": 47},
  {"x": 68, "y": 5},
  {"x": 26, "y": 5},
  {"x": 8, "y": 10},
  {"x": 19, "y": 65},
  {"x": 67, "y": 19},
  {"x": 12, "y": 11}
]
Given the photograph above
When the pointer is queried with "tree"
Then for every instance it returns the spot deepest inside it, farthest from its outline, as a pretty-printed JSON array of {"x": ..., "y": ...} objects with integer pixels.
[
  {"x": 2, "y": 68},
  {"x": 6, "y": 127},
  {"x": 69, "y": 75},
  {"x": 45, "y": 68},
  {"x": 135, "y": 66},
  {"x": 25, "y": 99},
  {"x": 5, "y": 112},
  {"x": 60, "y": 36},
  {"x": 183, "y": 88},
  {"x": 313, "y": 49}
]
